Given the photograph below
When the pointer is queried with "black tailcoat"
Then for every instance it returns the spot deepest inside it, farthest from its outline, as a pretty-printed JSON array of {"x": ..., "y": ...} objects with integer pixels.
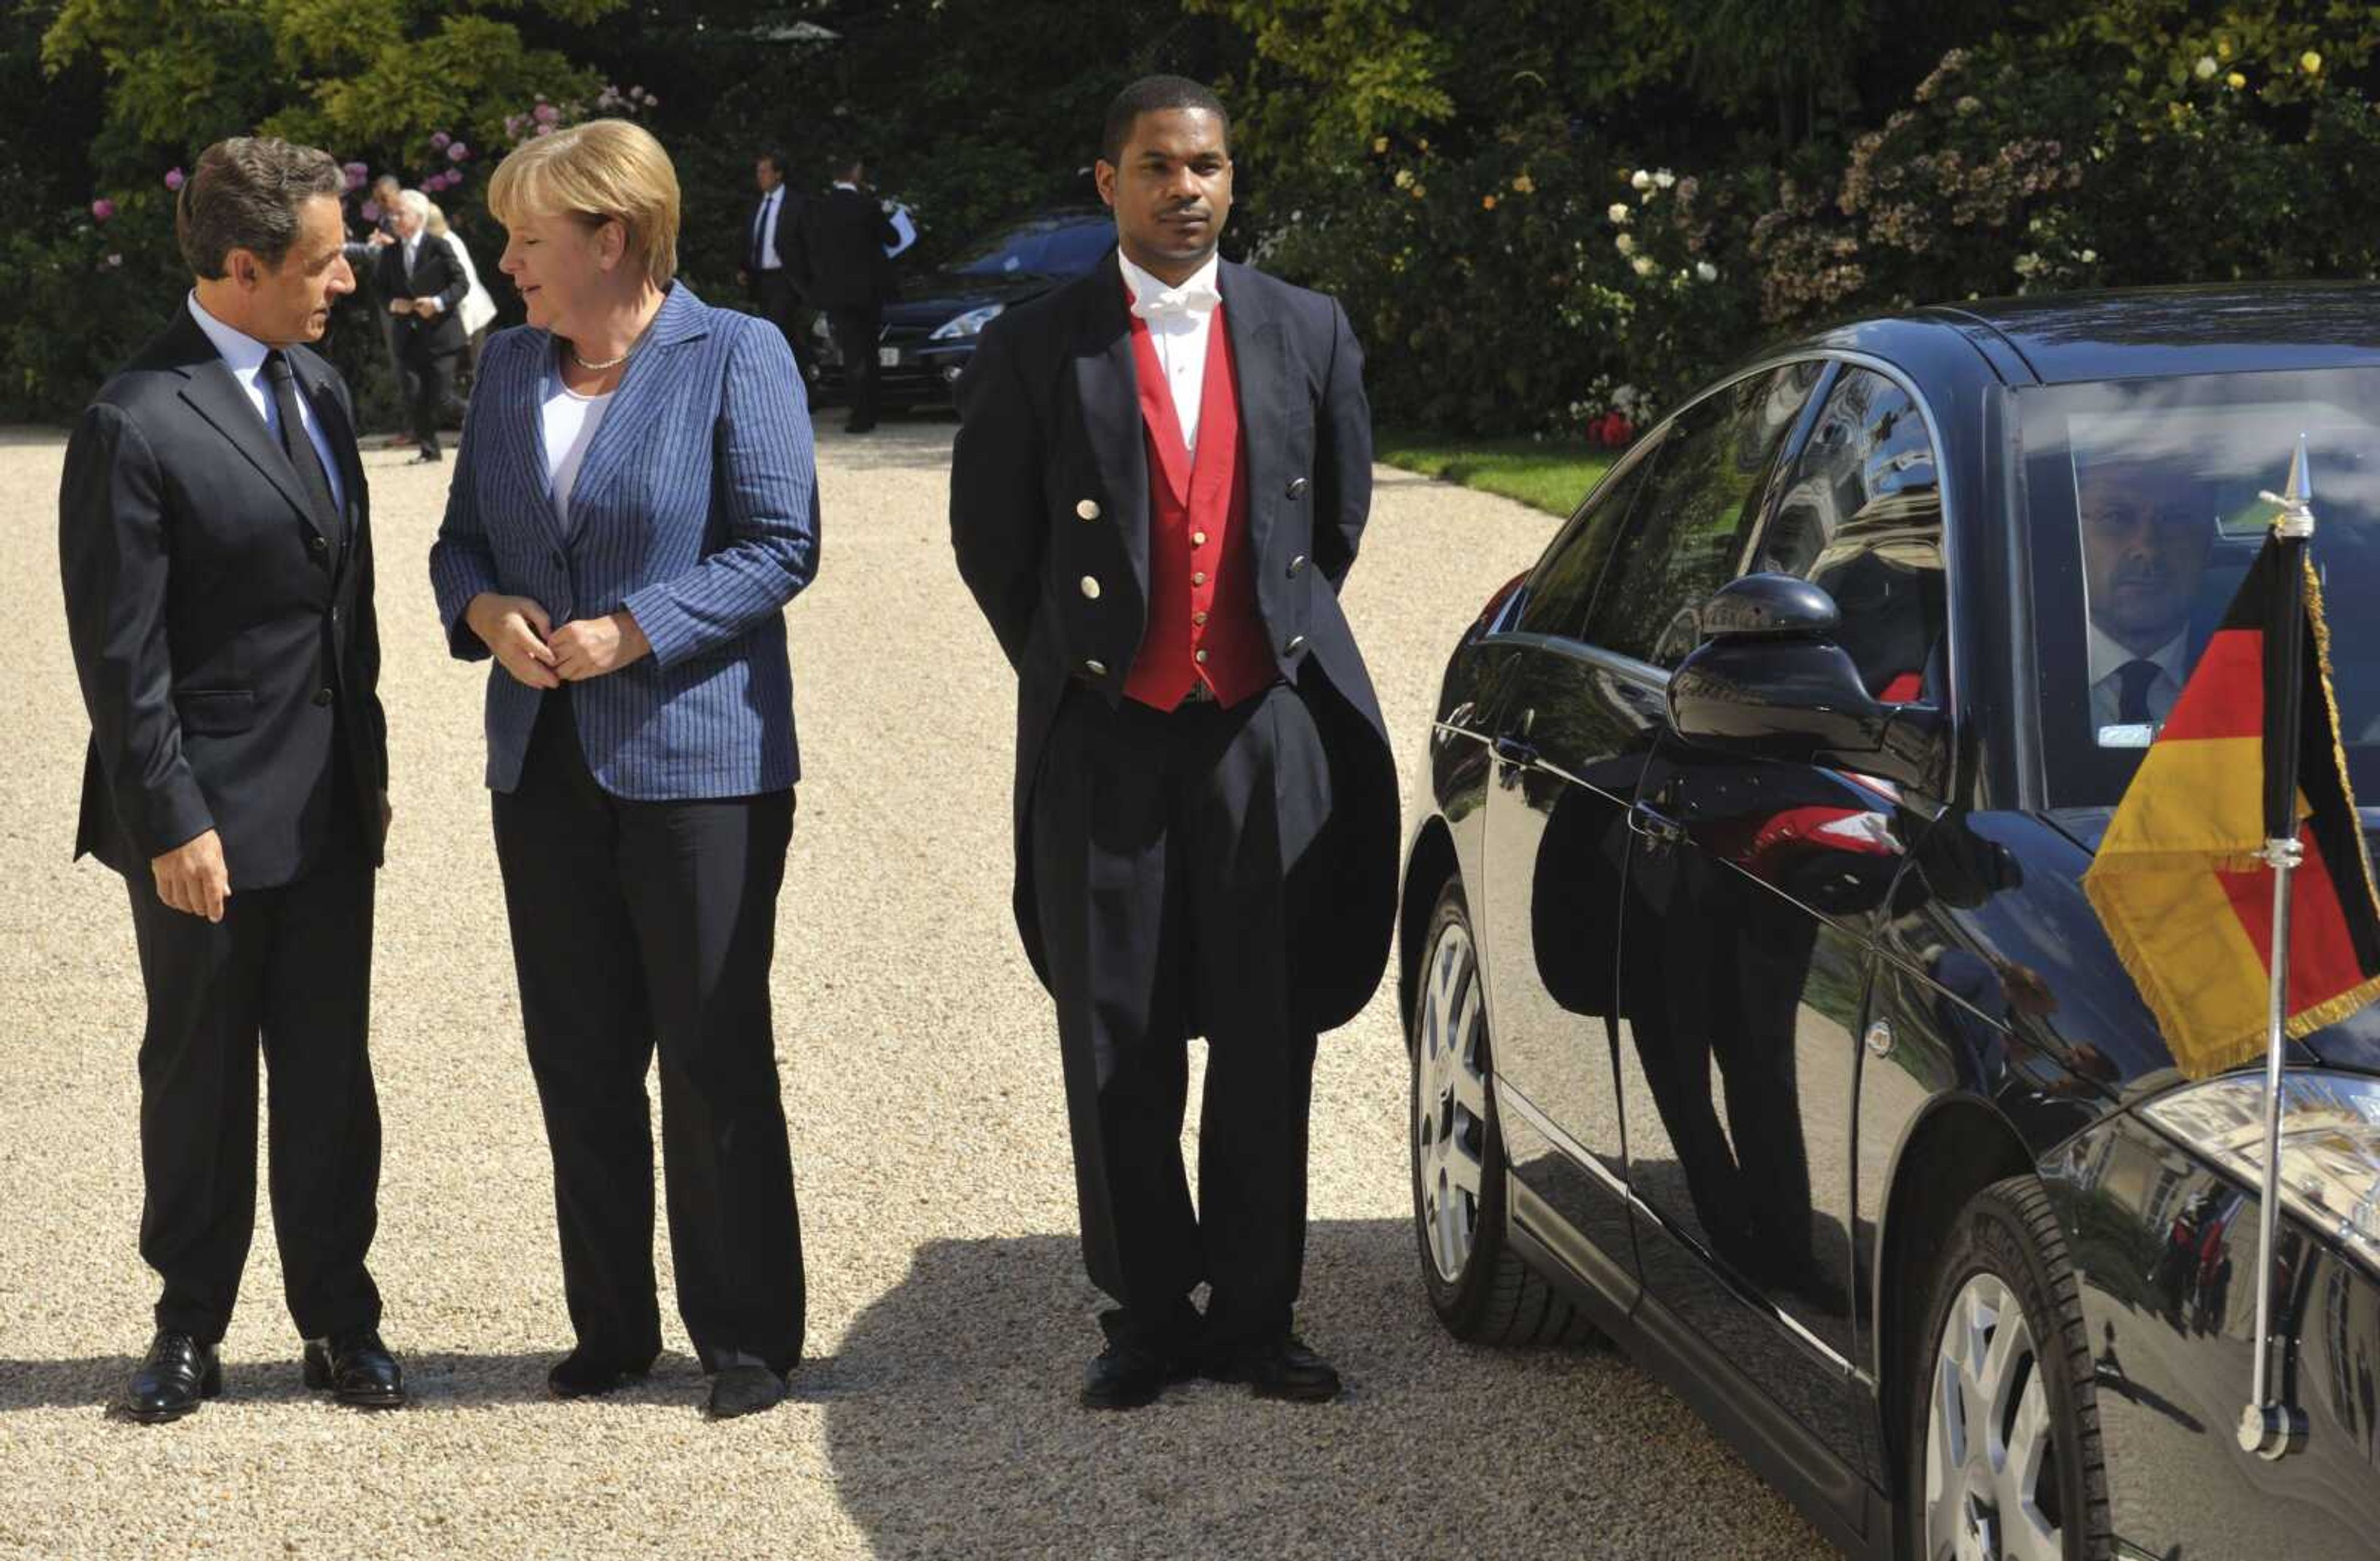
[{"x": 1050, "y": 488}]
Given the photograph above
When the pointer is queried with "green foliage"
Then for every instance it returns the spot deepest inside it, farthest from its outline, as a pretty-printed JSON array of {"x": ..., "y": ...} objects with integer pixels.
[{"x": 1548, "y": 475}]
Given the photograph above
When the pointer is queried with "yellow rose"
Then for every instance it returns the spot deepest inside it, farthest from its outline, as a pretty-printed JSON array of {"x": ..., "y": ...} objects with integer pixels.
[
  {"x": 2311, "y": 62},
  {"x": 2235, "y": 80},
  {"x": 1524, "y": 185},
  {"x": 1380, "y": 143}
]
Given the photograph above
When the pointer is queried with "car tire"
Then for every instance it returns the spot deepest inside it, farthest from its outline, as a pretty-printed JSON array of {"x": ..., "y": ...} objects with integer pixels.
[
  {"x": 1480, "y": 1288},
  {"x": 2000, "y": 1414}
]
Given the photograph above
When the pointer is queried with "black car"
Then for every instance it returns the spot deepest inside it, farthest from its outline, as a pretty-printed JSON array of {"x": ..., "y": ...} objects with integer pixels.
[
  {"x": 1757, "y": 1017},
  {"x": 930, "y": 331}
]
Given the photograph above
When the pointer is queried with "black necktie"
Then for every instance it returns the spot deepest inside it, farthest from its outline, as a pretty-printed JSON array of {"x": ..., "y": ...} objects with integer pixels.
[
  {"x": 2133, "y": 680},
  {"x": 312, "y": 481}
]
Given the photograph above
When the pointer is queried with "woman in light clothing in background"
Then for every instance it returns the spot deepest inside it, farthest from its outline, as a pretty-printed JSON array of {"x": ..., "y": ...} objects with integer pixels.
[{"x": 634, "y": 504}]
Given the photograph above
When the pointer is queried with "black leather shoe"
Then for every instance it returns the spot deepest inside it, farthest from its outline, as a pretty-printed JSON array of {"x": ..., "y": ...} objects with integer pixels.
[
  {"x": 1283, "y": 1369},
  {"x": 1127, "y": 1375},
  {"x": 428, "y": 458},
  {"x": 357, "y": 1369},
  {"x": 868, "y": 427},
  {"x": 178, "y": 1375},
  {"x": 744, "y": 1390},
  {"x": 581, "y": 1375}
]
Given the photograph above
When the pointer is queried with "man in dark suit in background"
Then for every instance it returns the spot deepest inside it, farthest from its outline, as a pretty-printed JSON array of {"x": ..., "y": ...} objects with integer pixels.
[
  {"x": 768, "y": 275},
  {"x": 841, "y": 267},
  {"x": 215, "y": 547},
  {"x": 424, "y": 283},
  {"x": 1161, "y": 474}
]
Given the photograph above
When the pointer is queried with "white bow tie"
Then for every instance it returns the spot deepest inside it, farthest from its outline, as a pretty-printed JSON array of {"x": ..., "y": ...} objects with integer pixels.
[{"x": 1178, "y": 303}]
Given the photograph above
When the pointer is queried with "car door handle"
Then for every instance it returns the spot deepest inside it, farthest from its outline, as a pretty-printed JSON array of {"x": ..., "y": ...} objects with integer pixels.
[
  {"x": 1516, "y": 751},
  {"x": 1654, "y": 829}
]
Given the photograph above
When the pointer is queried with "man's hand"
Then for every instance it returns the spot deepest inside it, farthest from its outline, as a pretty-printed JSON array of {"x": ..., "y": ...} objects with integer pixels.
[
  {"x": 387, "y": 816},
  {"x": 591, "y": 647},
  {"x": 515, "y": 629},
  {"x": 192, "y": 877},
  {"x": 379, "y": 238},
  {"x": 425, "y": 308},
  {"x": 400, "y": 306}
]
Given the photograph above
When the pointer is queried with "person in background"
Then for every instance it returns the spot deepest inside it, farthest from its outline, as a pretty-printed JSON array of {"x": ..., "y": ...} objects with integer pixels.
[
  {"x": 363, "y": 259},
  {"x": 840, "y": 266},
  {"x": 768, "y": 278},
  {"x": 478, "y": 309},
  {"x": 424, "y": 284},
  {"x": 633, "y": 504}
]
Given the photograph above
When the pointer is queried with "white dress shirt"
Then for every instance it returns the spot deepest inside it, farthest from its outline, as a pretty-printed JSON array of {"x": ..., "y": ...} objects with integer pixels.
[
  {"x": 766, "y": 225},
  {"x": 1180, "y": 339},
  {"x": 570, "y": 423},
  {"x": 2107, "y": 662},
  {"x": 244, "y": 356}
]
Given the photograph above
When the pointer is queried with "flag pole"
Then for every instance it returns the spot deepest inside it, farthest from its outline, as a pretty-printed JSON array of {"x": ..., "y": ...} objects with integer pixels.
[{"x": 2267, "y": 1427}]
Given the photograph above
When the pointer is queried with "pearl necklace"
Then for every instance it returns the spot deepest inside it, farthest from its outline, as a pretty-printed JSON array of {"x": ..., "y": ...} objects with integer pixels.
[{"x": 607, "y": 363}]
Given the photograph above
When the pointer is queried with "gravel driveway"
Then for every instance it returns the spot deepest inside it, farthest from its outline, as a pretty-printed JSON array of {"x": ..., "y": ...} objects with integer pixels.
[{"x": 948, "y": 1314}]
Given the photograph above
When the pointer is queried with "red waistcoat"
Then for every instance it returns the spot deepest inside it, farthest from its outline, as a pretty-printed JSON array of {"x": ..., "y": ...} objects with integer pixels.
[{"x": 1202, "y": 598}]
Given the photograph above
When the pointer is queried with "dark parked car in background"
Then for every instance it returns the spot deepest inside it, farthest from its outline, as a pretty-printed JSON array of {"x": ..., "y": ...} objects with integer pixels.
[
  {"x": 1757, "y": 1017},
  {"x": 930, "y": 331}
]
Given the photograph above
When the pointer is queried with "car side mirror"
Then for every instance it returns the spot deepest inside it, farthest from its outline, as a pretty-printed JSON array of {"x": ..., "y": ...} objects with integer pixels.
[{"x": 1769, "y": 681}]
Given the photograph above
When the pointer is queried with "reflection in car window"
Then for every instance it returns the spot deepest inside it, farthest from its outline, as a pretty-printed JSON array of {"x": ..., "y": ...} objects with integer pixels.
[
  {"x": 1555, "y": 600},
  {"x": 1861, "y": 517},
  {"x": 2145, "y": 507},
  {"x": 1686, "y": 532},
  {"x": 1045, "y": 247}
]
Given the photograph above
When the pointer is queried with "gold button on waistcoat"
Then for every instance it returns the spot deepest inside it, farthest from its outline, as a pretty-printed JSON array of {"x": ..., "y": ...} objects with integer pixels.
[{"x": 1088, "y": 509}]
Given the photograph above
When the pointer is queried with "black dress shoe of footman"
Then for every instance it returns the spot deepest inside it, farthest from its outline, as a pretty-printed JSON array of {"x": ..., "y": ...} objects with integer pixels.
[
  {"x": 178, "y": 1375},
  {"x": 1283, "y": 1369},
  {"x": 357, "y": 1369},
  {"x": 1127, "y": 1374}
]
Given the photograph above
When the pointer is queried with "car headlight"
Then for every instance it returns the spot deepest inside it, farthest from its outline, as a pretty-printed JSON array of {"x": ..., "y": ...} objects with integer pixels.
[
  {"x": 971, "y": 324},
  {"x": 2330, "y": 1144}
]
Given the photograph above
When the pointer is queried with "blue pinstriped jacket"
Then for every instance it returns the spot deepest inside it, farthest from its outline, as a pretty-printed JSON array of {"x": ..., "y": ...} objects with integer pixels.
[{"x": 696, "y": 508}]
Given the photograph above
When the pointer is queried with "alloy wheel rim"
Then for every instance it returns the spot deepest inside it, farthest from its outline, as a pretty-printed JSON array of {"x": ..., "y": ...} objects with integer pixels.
[
  {"x": 1991, "y": 1464},
  {"x": 1450, "y": 1104}
]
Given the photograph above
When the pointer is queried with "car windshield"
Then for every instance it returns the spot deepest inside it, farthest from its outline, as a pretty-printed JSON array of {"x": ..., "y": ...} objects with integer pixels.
[
  {"x": 1044, "y": 247},
  {"x": 2145, "y": 505}
]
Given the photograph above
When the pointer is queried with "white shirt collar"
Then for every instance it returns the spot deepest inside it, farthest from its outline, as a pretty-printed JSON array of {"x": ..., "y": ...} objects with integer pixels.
[
  {"x": 1143, "y": 285},
  {"x": 2107, "y": 657},
  {"x": 242, "y": 353},
  {"x": 846, "y": 184}
]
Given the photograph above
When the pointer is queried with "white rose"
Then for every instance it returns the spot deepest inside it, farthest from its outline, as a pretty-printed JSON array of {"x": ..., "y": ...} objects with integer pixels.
[
  {"x": 1618, "y": 212},
  {"x": 1706, "y": 271},
  {"x": 1665, "y": 179},
  {"x": 2207, "y": 67},
  {"x": 1625, "y": 244},
  {"x": 1644, "y": 264},
  {"x": 1640, "y": 180}
]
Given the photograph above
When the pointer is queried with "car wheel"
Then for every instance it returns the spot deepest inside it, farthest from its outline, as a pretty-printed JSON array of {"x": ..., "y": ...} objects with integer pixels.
[
  {"x": 2004, "y": 1456},
  {"x": 1481, "y": 1290}
]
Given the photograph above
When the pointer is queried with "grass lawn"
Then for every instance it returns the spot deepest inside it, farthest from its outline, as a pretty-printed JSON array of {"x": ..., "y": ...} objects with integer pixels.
[{"x": 1551, "y": 474}]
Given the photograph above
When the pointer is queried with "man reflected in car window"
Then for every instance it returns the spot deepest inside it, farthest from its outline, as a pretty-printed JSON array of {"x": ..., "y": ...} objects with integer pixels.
[{"x": 2145, "y": 537}]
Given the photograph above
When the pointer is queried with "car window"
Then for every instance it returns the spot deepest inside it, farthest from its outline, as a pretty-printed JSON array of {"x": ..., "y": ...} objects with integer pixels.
[
  {"x": 1686, "y": 530},
  {"x": 2143, "y": 505},
  {"x": 1555, "y": 600},
  {"x": 1861, "y": 515},
  {"x": 1044, "y": 247}
]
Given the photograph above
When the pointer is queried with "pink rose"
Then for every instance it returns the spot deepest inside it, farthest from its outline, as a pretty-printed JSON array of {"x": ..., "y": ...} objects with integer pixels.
[
  {"x": 102, "y": 209},
  {"x": 458, "y": 151},
  {"x": 114, "y": 262},
  {"x": 438, "y": 139},
  {"x": 174, "y": 178},
  {"x": 368, "y": 211},
  {"x": 547, "y": 114}
]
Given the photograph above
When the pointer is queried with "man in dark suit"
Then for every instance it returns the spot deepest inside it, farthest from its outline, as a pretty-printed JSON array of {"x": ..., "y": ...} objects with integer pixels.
[
  {"x": 1161, "y": 474},
  {"x": 768, "y": 273},
  {"x": 841, "y": 267},
  {"x": 215, "y": 542},
  {"x": 424, "y": 283}
]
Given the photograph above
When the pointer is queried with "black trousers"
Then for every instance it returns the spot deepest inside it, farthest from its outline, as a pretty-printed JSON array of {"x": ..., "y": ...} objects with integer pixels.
[
  {"x": 635, "y": 923},
  {"x": 292, "y": 967},
  {"x": 1160, "y": 845},
  {"x": 780, "y": 303},
  {"x": 431, "y": 383},
  {"x": 855, "y": 332}
]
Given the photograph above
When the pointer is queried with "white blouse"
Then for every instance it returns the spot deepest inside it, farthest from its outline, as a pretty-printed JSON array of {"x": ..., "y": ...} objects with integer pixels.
[{"x": 570, "y": 423}]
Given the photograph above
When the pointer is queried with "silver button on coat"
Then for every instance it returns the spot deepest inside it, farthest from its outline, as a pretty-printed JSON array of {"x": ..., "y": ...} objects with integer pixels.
[
  {"x": 1090, "y": 588},
  {"x": 1087, "y": 508}
]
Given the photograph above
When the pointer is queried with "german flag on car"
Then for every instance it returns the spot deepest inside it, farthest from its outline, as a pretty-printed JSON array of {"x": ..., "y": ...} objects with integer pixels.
[{"x": 2181, "y": 883}]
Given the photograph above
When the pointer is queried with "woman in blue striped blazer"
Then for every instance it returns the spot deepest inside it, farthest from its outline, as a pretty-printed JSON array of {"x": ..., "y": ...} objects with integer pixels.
[{"x": 634, "y": 504}]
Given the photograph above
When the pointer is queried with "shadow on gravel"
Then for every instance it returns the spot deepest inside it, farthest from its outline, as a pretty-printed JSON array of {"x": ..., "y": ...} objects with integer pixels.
[
  {"x": 953, "y": 1429},
  {"x": 920, "y": 446},
  {"x": 448, "y": 1381}
]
